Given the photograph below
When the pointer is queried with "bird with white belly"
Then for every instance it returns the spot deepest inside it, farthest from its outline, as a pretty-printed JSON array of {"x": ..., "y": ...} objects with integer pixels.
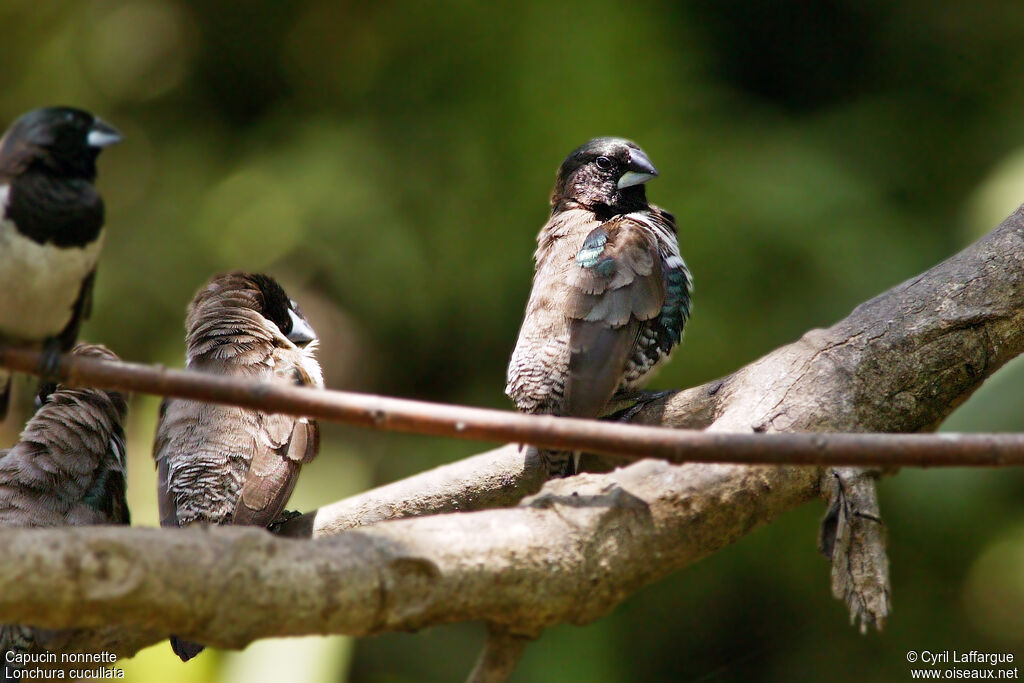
[{"x": 51, "y": 230}]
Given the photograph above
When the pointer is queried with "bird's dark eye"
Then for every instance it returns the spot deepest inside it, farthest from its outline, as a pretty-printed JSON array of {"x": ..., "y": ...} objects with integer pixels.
[{"x": 604, "y": 163}]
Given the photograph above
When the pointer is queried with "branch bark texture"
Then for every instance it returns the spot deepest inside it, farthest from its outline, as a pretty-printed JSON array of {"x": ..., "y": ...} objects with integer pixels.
[{"x": 566, "y": 555}]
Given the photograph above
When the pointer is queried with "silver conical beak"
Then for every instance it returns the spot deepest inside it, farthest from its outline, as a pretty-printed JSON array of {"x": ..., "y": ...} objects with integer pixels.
[
  {"x": 102, "y": 134},
  {"x": 302, "y": 333},
  {"x": 639, "y": 170}
]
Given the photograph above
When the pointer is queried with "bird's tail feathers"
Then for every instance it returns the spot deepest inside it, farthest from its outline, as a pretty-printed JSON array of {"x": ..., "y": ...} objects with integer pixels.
[
  {"x": 185, "y": 649},
  {"x": 561, "y": 463}
]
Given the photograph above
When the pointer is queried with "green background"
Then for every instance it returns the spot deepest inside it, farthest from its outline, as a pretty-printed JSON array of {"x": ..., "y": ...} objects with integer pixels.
[{"x": 391, "y": 162}]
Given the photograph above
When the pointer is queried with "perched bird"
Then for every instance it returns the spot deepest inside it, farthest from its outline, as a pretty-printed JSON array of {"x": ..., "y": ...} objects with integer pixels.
[
  {"x": 610, "y": 296},
  {"x": 68, "y": 469},
  {"x": 226, "y": 465},
  {"x": 51, "y": 229}
]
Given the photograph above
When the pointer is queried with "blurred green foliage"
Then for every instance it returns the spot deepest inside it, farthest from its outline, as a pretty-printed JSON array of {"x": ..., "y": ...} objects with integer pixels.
[{"x": 391, "y": 162}]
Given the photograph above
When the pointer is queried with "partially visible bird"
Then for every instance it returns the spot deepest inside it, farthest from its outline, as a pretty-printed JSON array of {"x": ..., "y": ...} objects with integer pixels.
[
  {"x": 68, "y": 469},
  {"x": 610, "y": 296},
  {"x": 226, "y": 465},
  {"x": 51, "y": 230}
]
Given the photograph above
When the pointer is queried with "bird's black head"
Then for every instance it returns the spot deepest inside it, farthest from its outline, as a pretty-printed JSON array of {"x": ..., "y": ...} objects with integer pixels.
[
  {"x": 606, "y": 175},
  {"x": 59, "y": 141},
  {"x": 283, "y": 311}
]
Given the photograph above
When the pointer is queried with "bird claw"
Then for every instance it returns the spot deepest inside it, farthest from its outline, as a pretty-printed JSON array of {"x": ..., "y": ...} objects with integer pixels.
[
  {"x": 49, "y": 361},
  {"x": 642, "y": 400},
  {"x": 49, "y": 371},
  {"x": 282, "y": 519},
  {"x": 43, "y": 392}
]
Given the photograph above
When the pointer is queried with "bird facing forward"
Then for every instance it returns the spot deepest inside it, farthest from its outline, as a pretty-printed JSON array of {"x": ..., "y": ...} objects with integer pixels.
[
  {"x": 610, "y": 296},
  {"x": 227, "y": 465},
  {"x": 68, "y": 469},
  {"x": 51, "y": 229}
]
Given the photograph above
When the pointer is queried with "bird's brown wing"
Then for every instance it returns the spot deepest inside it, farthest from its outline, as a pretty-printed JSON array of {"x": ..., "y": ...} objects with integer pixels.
[
  {"x": 274, "y": 470},
  {"x": 616, "y": 285},
  {"x": 68, "y": 467}
]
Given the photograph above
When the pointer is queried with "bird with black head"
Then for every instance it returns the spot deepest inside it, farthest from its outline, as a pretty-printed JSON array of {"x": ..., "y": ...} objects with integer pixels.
[
  {"x": 223, "y": 464},
  {"x": 611, "y": 293},
  {"x": 51, "y": 230}
]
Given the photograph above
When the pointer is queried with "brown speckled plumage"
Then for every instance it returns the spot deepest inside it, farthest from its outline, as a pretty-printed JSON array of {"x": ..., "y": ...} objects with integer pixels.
[
  {"x": 68, "y": 469},
  {"x": 610, "y": 294},
  {"x": 227, "y": 465}
]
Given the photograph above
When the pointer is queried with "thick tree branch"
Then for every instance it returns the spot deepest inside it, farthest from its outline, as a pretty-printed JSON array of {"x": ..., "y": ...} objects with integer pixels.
[
  {"x": 497, "y": 478},
  {"x": 567, "y": 555},
  {"x": 900, "y": 362}
]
